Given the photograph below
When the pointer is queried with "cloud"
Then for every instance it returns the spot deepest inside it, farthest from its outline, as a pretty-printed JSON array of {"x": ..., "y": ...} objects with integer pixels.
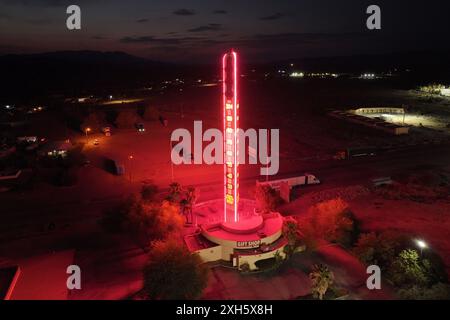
[
  {"x": 147, "y": 39},
  {"x": 39, "y": 22},
  {"x": 47, "y": 3},
  {"x": 142, "y": 20},
  {"x": 209, "y": 27},
  {"x": 4, "y": 16},
  {"x": 297, "y": 39},
  {"x": 274, "y": 16},
  {"x": 184, "y": 12},
  {"x": 157, "y": 41},
  {"x": 220, "y": 12}
]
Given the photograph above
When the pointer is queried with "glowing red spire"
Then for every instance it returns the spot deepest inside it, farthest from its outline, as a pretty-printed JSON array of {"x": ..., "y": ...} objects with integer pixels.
[{"x": 231, "y": 141}]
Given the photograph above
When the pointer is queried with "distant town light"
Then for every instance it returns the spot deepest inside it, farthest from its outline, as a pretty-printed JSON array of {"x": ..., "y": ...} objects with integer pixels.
[
  {"x": 368, "y": 76},
  {"x": 297, "y": 75}
]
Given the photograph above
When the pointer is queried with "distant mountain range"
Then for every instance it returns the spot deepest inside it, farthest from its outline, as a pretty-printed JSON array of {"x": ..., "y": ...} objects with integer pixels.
[
  {"x": 432, "y": 61},
  {"x": 72, "y": 72},
  {"x": 75, "y": 71},
  {"x": 89, "y": 57}
]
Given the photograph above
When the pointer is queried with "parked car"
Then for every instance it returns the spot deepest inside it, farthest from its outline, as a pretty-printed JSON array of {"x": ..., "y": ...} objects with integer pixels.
[
  {"x": 106, "y": 131},
  {"x": 140, "y": 127}
]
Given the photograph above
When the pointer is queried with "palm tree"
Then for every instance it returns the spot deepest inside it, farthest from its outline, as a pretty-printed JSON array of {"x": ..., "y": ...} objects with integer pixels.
[
  {"x": 191, "y": 199},
  {"x": 174, "y": 192},
  {"x": 184, "y": 205},
  {"x": 322, "y": 279}
]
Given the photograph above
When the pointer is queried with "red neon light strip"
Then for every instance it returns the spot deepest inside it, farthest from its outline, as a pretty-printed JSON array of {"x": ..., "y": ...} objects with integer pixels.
[
  {"x": 235, "y": 138},
  {"x": 224, "y": 128},
  {"x": 228, "y": 124}
]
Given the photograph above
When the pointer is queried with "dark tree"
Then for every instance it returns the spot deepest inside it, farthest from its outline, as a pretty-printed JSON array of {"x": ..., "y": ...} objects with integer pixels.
[{"x": 173, "y": 273}]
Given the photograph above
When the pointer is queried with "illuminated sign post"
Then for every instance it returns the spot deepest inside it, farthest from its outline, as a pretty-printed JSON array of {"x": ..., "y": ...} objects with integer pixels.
[{"x": 231, "y": 141}]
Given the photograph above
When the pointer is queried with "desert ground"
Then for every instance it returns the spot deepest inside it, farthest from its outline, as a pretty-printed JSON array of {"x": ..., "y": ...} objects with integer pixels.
[{"x": 309, "y": 139}]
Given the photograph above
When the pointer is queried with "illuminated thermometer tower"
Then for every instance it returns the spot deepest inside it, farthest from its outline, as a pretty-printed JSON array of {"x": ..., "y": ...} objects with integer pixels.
[{"x": 231, "y": 141}]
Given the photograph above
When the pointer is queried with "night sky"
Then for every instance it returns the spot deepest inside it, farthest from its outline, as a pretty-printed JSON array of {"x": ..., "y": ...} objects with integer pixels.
[{"x": 188, "y": 30}]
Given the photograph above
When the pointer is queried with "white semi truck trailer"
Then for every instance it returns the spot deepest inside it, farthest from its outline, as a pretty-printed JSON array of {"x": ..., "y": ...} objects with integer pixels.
[{"x": 303, "y": 180}]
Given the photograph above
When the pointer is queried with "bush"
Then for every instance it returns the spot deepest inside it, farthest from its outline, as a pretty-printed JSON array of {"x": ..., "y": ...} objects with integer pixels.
[
  {"x": 309, "y": 237},
  {"x": 378, "y": 249},
  {"x": 419, "y": 279},
  {"x": 292, "y": 234},
  {"x": 333, "y": 221},
  {"x": 146, "y": 222},
  {"x": 267, "y": 198},
  {"x": 149, "y": 192},
  {"x": 154, "y": 222},
  {"x": 174, "y": 273},
  {"x": 114, "y": 219},
  {"x": 408, "y": 270},
  {"x": 438, "y": 291}
]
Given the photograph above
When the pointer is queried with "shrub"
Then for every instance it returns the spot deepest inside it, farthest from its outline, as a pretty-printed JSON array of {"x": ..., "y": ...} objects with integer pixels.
[
  {"x": 157, "y": 222},
  {"x": 438, "y": 291},
  {"x": 146, "y": 222},
  {"x": 333, "y": 221},
  {"x": 267, "y": 198},
  {"x": 378, "y": 249},
  {"x": 292, "y": 234},
  {"x": 173, "y": 273},
  {"x": 113, "y": 220},
  {"x": 149, "y": 192},
  {"x": 309, "y": 236},
  {"x": 408, "y": 270}
]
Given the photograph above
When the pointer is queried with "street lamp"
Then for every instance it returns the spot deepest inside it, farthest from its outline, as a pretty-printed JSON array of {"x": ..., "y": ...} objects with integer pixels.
[
  {"x": 130, "y": 157},
  {"x": 87, "y": 130},
  {"x": 422, "y": 245}
]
